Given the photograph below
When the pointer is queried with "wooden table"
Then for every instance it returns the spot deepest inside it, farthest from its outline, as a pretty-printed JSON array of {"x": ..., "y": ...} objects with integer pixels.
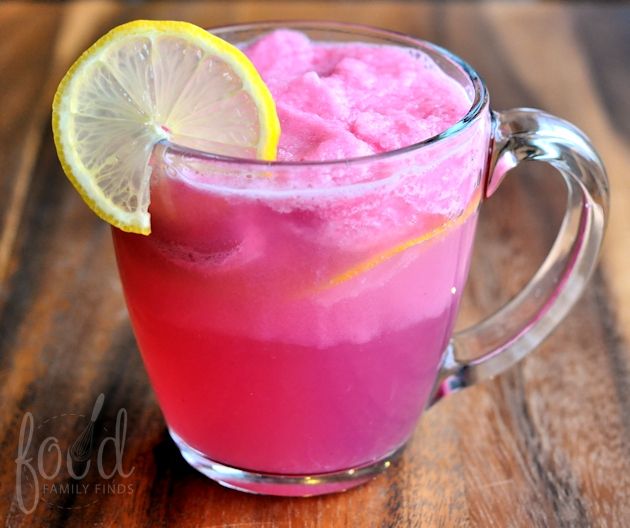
[{"x": 546, "y": 444}]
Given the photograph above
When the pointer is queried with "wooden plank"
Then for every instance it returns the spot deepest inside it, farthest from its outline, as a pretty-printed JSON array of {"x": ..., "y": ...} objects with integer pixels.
[
  {"x": 546, "y": 444},
  {"x": 24, "y": 66}
]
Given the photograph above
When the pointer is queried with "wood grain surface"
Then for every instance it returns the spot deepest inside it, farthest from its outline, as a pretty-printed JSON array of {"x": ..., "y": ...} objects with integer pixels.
[{"x": 546, "y": 444}]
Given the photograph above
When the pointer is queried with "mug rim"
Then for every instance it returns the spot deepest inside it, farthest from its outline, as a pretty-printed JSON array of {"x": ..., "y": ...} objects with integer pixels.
[{"x": 479, "y": 102}]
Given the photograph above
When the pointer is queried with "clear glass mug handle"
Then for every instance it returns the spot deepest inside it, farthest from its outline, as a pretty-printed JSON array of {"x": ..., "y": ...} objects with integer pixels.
[{"x": 518, "y": 327}]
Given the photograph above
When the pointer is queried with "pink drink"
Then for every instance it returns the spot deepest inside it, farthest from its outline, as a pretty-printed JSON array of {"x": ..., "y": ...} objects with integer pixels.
[{"x": 292, "y": 318}]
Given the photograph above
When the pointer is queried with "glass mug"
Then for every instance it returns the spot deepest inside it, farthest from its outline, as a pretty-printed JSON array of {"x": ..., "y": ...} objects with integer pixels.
[{"x": 295, "y": 319}]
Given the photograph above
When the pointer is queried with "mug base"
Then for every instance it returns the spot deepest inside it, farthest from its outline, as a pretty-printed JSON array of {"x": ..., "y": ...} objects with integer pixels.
[{"x": 283, "y": 485}]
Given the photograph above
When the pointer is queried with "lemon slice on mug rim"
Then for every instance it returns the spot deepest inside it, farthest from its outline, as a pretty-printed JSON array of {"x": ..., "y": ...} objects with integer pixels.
[{"x": 148, "y": 81}]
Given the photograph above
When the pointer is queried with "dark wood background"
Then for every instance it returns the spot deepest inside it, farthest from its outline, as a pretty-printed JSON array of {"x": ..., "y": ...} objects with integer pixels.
[{"x": 546, "y": 444}]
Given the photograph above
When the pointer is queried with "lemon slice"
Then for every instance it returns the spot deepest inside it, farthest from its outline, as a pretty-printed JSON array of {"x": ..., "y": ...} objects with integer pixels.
[
  {"x": 374, "y": 261},
  {"x": 148, "y": 81}
]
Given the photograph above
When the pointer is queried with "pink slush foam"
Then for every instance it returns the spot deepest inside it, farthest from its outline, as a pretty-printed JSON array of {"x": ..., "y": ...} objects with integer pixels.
[
  {"x": 349, "y": 100},
  {"x": 338, "y": 101}
]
